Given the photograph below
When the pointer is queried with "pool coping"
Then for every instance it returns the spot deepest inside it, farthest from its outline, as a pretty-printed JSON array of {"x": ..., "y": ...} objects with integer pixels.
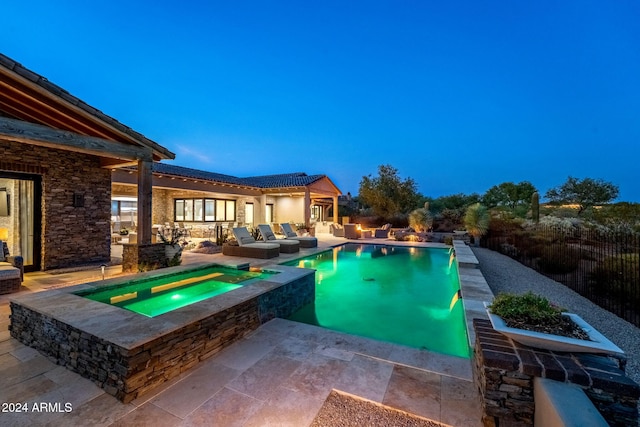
[{"x": 474, "y": 288}]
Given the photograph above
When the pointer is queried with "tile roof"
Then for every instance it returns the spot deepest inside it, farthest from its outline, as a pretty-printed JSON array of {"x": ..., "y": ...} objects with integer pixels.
[{"x": 285, "y": 180}]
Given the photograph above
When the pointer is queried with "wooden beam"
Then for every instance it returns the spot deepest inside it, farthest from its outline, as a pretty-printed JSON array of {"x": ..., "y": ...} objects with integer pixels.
[
  {"x": 110, "y": 163},
  {"x": 307, "y": 208},
  {"x": 29, "y": 133},
  {"x": 145, "y": 202}
]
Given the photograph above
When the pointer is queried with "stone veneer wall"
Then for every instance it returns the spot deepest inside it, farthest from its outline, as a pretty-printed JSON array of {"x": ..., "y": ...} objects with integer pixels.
[
  {"x": 504, "y": 371},
  {"x": 129, "y": 373},
  {"x": 284, "y": 301},
  {"x": 70, "y": 235},
  {"x": 149, "y": 255}
]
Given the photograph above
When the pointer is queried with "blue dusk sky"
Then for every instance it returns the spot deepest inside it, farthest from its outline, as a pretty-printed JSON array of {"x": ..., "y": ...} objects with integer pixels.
[{"x": 458, "y": 95}]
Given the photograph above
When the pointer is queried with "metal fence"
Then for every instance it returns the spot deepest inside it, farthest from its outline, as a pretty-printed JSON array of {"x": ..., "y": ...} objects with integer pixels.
[{"x": 602, "y": 266}]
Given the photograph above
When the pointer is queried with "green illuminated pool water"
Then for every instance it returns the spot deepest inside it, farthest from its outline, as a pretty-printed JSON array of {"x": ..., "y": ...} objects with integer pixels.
[
  {"x": 397, "y": 294},
  {"x": 166, "y": 293}
]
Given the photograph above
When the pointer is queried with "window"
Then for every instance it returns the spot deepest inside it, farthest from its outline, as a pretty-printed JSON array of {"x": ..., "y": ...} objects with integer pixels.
[
  {"x": 203, "y": 210},
  {"x": 209, "y": 208},
  {"x": 179, "y": 210}
]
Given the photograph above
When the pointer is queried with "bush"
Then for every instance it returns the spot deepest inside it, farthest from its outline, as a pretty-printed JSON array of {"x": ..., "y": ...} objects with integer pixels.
[
  {"x": 420, "y": 219},
  {"x": 618, "y": 275},
  {"x": 528, "y": 308},
  {"x": 559, "y": 258}
]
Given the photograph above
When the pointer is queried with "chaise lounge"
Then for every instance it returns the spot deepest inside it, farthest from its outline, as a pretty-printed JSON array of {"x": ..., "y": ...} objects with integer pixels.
[
  {"x": 286, "y": 246},
  {"x": 305, "y": 241},
  {"x": 248, "y": 247}
]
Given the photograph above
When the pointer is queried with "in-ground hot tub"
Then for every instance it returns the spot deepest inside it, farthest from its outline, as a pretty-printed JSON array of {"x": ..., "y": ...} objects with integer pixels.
[{"x": 129, "y": 353}]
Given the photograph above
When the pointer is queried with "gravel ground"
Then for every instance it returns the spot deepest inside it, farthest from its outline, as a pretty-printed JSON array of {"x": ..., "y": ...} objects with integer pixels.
[
  {"x": 341, "y": 410},
  {"x": 504, "y": 274}
]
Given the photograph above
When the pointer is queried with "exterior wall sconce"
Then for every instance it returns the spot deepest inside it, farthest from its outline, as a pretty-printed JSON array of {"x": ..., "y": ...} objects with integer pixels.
[{"x": 78, "y": 200}]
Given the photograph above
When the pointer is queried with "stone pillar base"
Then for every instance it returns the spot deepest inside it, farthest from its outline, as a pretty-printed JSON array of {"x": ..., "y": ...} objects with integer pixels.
[{"x": 137, "y": 258}]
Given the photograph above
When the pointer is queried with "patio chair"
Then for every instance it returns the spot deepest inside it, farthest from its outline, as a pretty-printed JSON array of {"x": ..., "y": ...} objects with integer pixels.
[
  {"x": 337, "y": 230},
  {"x": 305, "y": 241},
  {"x": 351, "y": 231},
  {"x": 286, "y": 246},
  {"x": 248, "y": 247},
  {"x": 382, "y": 232}
]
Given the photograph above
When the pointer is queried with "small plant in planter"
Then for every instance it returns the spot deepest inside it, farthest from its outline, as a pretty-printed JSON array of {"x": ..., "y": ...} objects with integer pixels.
[
  {"x": 535, "y": 313},
  {"x": 534, "y": 321},
  {"x": 174, "y": 243}
]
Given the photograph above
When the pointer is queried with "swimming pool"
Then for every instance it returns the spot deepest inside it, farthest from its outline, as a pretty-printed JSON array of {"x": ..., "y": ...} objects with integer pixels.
[
  {"x": 404, "y": 295},
  {"x": 160, "y": 295}
]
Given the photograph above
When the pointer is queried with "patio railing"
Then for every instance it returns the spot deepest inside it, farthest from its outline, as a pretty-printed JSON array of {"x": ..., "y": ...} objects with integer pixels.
[{"x": 602, "y": 266}]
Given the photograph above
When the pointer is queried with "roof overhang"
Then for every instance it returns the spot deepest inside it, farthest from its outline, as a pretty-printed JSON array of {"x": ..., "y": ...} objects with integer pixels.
[
  {"x": 29, "y": 97},
  {"x": 111, "y": 152}
]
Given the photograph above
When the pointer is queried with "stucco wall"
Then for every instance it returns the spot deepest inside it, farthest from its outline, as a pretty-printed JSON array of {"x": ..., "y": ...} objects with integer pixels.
[
  {"x": 70, "y": 235},
  {"x": 289, "y": 209}
]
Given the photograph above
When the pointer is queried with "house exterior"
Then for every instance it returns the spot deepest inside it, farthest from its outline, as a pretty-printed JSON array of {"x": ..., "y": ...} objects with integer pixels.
[
  {"x": 57, "y": 157},
  {"x": 201, "y": 199}
]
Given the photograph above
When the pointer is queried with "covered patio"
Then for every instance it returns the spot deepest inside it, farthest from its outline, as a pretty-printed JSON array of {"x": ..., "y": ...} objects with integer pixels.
[{"x": 202, "y": 201}]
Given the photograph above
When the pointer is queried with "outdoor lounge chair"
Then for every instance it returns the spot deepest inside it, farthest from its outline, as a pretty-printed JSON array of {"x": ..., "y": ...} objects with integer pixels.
[
  {"x": 305, "y": 241},
  {"x": 351, "y": 231},
  {"x": 248, "y": 247},
  {"x": 286, "y": 246},
  {"x": 337, "y": 230},
  {"x": 382, "y": 232}
]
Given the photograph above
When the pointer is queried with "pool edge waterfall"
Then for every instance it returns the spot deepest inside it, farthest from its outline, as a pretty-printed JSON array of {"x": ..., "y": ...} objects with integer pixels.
[{"x": 129, "y": 354}]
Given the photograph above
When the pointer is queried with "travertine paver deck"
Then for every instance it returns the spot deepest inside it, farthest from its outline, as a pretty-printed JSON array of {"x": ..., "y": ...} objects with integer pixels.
[{"x": 279, "y": 375}]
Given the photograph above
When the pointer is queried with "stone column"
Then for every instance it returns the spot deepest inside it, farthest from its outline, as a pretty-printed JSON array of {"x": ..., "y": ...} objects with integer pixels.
[{"x": 263, "y": 210}]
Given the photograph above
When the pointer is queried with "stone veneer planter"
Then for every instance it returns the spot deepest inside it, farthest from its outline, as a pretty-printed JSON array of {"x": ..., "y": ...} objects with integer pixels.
[
  {"x": 504, "y": 371},
  {"x": 128, "y": 354}
]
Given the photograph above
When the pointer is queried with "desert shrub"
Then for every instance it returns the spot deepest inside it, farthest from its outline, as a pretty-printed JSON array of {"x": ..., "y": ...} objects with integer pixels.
[
  {"x": 420, "y": 219},
  {"x": 503, "y": 222},
  {"x": 454, "y": 216},
  {"x": 618, "y": 275},
  {"x": 476, "y": 220},
  {"x": 559, "y": 258}
]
